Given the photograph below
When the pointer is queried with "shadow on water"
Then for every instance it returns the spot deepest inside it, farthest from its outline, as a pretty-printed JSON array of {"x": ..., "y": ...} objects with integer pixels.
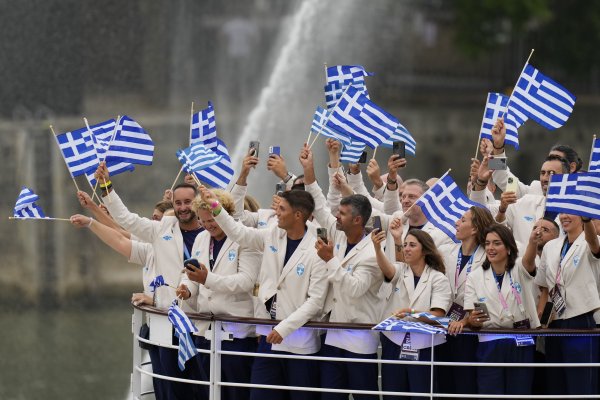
[{"x": 67, "y": 353}]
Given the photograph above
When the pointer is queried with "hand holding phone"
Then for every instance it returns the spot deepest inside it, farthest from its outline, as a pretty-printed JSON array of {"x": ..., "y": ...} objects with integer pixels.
[
  {"x": 399, "y": 149},
  {"x": 363, "y": 158},
  {"x": 279, "y": 189},
  {"x": 191, "y": 261},
  {"x": 322, "y": 234},
  {"x": 377, "y": 222},
  {"x": 274, "y": 150},
  {"x": 482, "y": 308},
  {"x": 254, "y": 146},
  {"x": 512, "y": 183},
  {"x": 497, "y": 163}
]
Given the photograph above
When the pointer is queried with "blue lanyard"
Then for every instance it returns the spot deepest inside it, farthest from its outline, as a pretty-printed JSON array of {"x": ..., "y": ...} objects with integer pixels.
[
  {"x": 186, "y": 252},
  {"x": 459, "y": 262}
]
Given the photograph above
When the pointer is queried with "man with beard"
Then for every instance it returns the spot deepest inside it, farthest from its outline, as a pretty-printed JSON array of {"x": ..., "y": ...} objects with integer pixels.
[{"x": 172, "y": 239}]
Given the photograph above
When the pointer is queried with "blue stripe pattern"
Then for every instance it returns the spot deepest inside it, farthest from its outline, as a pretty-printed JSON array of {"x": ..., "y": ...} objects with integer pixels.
[
  {"x": 575, "y": 194},
  {"x": 341, "y": 76},
  {"x": 131, "y": 144},
  {"x": 197, "y": 157},
  {"x": 352, "y": 152},
  {"x": 25, "y": 206},
  {"x": 183, "y": 331},
  {"x": 403, "y": 135},
  {"x": 317, "y": 126},
  {"x": 78, "y": 150},
  {"x": 595, "y": 158}
]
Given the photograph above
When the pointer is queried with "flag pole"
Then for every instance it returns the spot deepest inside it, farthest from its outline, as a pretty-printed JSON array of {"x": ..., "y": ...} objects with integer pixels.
[
  {"x": 191, "y": 122},
  {"x": 327, "y": 119},
  {"x": 374, "y": 152},
  {"x": 310, "y": 130},
  {"x": 112, "y": 138},
  {"x": 439, "y": 180},
  {"x": 177, "y": 177},
  {"x": 94, "y": 194},
  {"x": 58, "y": 144},
  {"x": 37, "y": 218},
  {"x": 591, "y": 152},
  {"x": 524, "y": 66}
]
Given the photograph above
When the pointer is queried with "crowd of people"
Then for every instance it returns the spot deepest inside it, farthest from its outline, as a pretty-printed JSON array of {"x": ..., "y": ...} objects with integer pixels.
[{"x": 354, "y": 255}]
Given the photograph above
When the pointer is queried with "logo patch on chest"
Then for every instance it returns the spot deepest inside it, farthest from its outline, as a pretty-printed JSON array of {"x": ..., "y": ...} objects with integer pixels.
[
  {"x": 231, "y": 255},
  {"x": 167, "y": 237},
  {"x": 300, "y": 269}
]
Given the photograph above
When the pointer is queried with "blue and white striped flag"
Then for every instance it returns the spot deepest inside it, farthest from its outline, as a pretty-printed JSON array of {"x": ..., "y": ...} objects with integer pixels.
[
  {"x": 444, "y": 204},
  {"x": 25, "y": 206},
  {"x": 541, "y": 99},
  {"x": 157, "y": 282},
  {"x": 341, "y": 76},
  {"x": 595, "y": 157},
  {"x": 352, "y": 152},
  {"x": 399, "y": 325},
  {"x": 183, "y": 331},
  {"x": 577, "y": 194},
  {"x": 317, "y": 126},
  {"x": 361, "y": 119},
  {"x": 131, "y": 144},
  {"x": 102, "y": 134},
  {"x": 403, "y": 135},
  {"x": 197, "y": 157},
  {"x": 204, "y": 126},
  {"x": 78, "y": 150},
  {"x": 495, "y": 107}
]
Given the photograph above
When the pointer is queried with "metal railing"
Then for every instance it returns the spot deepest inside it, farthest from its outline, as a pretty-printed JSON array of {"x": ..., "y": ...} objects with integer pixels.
[{"x": 215, "y": 352}]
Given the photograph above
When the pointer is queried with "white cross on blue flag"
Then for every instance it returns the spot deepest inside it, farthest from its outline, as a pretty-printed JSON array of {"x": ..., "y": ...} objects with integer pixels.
[
  {"x": 341, "y": 76},
  {"x": 575, "y": 194},
  {"x": 317, "y": 126},
  {"x": 595, "y": 157},
  {"x": 197, "y": 157},
  {"x": 131, "y": 144},
  {"x": 403, "y": 135}
]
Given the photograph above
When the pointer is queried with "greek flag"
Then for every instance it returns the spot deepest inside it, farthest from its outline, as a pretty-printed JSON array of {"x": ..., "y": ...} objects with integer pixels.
[
  {"x": 197, "y": 157},
  {"x": 595, "y": 157},
  {"x": 77, "y": 148},
  {"x": 575, "y": 194},
  {"x": 361, "y": 119},
  {"x": 183, "y": 331},
  {"x": 495, "y": 108},
  {"x": 102, "y": 134},
  {"x": 157, "y": 282},
  {"x": 204, "y": 126},
  {"x": 352, "y": 152},
  {"x": 444, "y": 203},
  {"x": 400, "y": 325},
  {"x": 317, "y": 126},
  {"x": 540, "y": 98},
  {"x": 403, "y": 135},
  {"x": 341, "y": 76},
  {"x": 131, "y": 144},
  {"x": 204, "y": 130},
  {"x": 25, "y": 206}
]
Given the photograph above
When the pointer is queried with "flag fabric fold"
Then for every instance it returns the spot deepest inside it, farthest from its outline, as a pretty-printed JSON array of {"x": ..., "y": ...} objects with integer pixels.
[
  {"x": 78, "y": 150},
  {"x": 361, "y": 119},
  {"x": 341, "y": 76},
  {"x": 318, "y": 125},
  {"x": 157, "y": 282},
  {"x": 403, "y": 135},
  {"x": 352, "y": 152},
  {"x": 495, "y": 107},
  {"x": 444, "y": 203},
  {"x": 575, "y": 194},
  {"x": 595, "y": 157},
  {"x": 25, "y": 206},
  {"x": 183, "y": 331},
  {"x": 197, "y": 157},
  {"x": 131, "y": 144},
  {"x": 399, "y": 325},
  {"x": 204, "y": 126}
]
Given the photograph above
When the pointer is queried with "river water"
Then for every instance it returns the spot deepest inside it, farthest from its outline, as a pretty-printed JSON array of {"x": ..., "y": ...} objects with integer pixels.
[{"x": 65, "y": 353}]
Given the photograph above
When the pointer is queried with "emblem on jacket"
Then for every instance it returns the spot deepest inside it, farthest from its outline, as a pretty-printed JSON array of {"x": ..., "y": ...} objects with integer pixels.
[
  {"x": 528, "y": 218},
  {"x": 576, "y": 260},
  {"x": 231, "y": 255},
  {"x": 262, "y": 223},
  {"x": 273, "y": 249},
  {"x": 167, "y": 237},
  {"x": 300, "y": 269},
  {"x": 349, "y": 269},
  {"x": 197, "y": 253}
]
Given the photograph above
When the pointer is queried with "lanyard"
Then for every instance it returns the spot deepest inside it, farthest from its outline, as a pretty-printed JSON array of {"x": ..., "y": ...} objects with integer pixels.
[
  {"x": 211, "y": 258},
  {"x": 514, "y": 291},
  {"x": 563, "y": 253},
  {"x": 186, "y": 252},
  {"x": 459, "y": 262}
]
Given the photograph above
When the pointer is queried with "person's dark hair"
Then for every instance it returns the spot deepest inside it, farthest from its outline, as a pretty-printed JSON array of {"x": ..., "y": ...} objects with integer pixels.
[
  {"x": 360, "y": 206},
  {"x": 566, "y": 168},
  {"x": 163, "y": 206},
  {"x": 481, "y": 218},
  {"x": 553, "y": 223},
  {"x": 300, "y": 200},
  {"x": 298, "y": 186},
  {"x": 185, "y": 185},
  {"x": 507, "y": 238},
  {"x": 430, "y": 251},
  {"x": 570, "y": 155}
]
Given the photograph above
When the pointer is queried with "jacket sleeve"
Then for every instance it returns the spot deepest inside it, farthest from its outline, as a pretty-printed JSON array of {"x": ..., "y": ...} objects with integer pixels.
[
  {"x": 243, "y": 280},
  {"x": 143, "y": 228},
  {"x": 358, "y": 282},
  {"x": 251, "y": 238}
]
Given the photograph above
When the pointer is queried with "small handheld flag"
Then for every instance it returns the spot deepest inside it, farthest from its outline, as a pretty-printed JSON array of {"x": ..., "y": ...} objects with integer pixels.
[
  {"x": 575, "y": 194},
  {"x": 25, "y": 206},
  {"x": 197, "y": 157},
  {"x": 183, "y": 331}
]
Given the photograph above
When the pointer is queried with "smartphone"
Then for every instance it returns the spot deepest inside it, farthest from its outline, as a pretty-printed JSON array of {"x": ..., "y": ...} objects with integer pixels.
[
  {"x": 377, "y": 222},
  {"x": 322, "y": 234},
  {"x": 545, "y": 319},
  {"x": 254, "y": 145},
  {"x": 399, "y": 149},
  {"x": 279, "y": 189},
  {"x": 512, "y": 184},
  {"x": 363, "y": 158},
  {"x": 497, "y": 163},
  {"x": 192, "y": 261},
  {"x": 481, "y": 307},
  {"x": 274, "y": 150}
]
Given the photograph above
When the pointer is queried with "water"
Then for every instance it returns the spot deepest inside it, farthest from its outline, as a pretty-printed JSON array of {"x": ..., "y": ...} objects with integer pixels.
[{"x": 65, "y": 354}]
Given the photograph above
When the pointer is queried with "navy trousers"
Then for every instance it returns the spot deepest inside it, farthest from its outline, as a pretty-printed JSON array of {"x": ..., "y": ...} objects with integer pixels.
[
  {"x": 463, "y": 380},
  {"x": 233, "y": 368},
  {"x": 357, "y": 376},
  {"x": 162, "y": 388},
  {"x": 278, "y": 371},
  {"x": 572, "y": 349},
  {"x": 193, "y": 370},
  {"x": 504, "y": 380},
  {"x": 403, "y": 378}
]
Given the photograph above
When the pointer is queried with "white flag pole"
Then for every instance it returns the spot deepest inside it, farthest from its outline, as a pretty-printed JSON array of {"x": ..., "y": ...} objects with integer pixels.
[
  {"x": 63, "y": 156},
  {"x": 177, "y": 177},
  {"x": 191, "y": 122},
  {"x": 524, "y": 66},
  {"x": 96, "y": 185},
  {"x": 374, "y": 152},
  {"x": 327, "y": 119},
  {"x": 37, "y": 218},
  {"x": 310, "y": 130},
  {"x": 439, "y": 180},
  {"x": 592, "y": 152}
]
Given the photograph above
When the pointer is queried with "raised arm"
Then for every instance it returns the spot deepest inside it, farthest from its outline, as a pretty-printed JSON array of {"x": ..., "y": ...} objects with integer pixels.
[{"x": 108, "y": 235}]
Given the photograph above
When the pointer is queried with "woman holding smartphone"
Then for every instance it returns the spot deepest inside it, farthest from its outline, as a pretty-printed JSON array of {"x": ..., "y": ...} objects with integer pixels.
[
  {"x": 500, "y": 295},
  {"x": 419, "y": 285},
  {"x": 461, "y": 259}
]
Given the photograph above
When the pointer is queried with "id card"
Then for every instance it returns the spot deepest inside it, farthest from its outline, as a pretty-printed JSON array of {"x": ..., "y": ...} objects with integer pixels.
[
  {"x": 407, "y": 353},
  {"x": 524, "y": 340},
  {"x": 273, "y": 310},
  {"x": 456, "y": 312},
  {"x": 522, "y": 324},
  {"x": 559, "y": 302}
]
